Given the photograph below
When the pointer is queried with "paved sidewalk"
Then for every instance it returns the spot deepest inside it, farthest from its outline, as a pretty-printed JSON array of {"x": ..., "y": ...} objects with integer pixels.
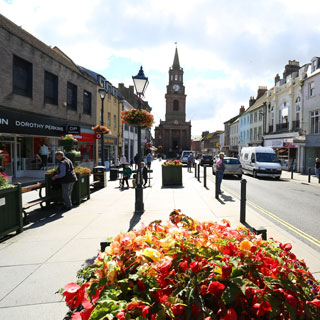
[
  {"x": 299, "y": 177},
  {"x": 48, "y": 254}
]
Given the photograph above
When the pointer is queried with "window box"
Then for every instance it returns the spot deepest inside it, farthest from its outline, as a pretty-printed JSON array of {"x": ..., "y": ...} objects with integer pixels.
[
  {"x": 11, "y": 210},
  {"x": 171, "y": 176}
]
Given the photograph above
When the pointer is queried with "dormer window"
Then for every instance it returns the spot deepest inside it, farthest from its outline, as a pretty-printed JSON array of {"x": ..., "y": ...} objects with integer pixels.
[{"x": 314, "y": 65}]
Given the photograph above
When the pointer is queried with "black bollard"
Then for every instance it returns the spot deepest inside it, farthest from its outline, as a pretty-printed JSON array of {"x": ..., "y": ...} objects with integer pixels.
[
  {"x": 205, "y": 176},
  {"x": 217, "y": 191},
  {"x": 195, "y": 170},
  {"x": 291, "y": 172},
  {"x": 309, "y": 175},
  {"x": 199, "y": 172},
  {"x": 243, "y": 201}
]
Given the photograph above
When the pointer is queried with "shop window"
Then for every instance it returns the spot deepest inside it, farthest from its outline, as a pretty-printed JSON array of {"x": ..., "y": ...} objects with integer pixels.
[
  {"x": 114, "y": 122},
  {"x": 175, "y": 105},
  {"x": 315, "y": 122},
  {"x": 86, "y": 102},
  {"x": 72, "y": 96},
  {"x": 50, "y": 88},
  {"x": 22, "y": 77}
]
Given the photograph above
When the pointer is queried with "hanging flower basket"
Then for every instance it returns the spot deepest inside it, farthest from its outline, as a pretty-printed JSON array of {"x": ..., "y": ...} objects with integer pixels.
[
  {"x": 101, "y": 129},
  {"x": 137, "y": 117},
  {"x": 185, "y": 269}
]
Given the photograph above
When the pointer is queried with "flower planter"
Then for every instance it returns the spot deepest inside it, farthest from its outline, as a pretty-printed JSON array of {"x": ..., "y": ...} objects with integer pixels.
[
  {"x": 171, "y": 176},
  {"x": 81, "y": 189},
  {"x": 68, "y": 144},
  {"x": 10, "y": 210}
]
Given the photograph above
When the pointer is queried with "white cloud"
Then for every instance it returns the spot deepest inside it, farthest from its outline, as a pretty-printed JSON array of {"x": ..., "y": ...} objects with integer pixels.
[{"x": 249, "y": 40}]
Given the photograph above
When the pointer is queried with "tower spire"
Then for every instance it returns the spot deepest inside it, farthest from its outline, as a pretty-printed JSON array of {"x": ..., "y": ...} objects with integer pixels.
[{"x": 176, "y": 63}]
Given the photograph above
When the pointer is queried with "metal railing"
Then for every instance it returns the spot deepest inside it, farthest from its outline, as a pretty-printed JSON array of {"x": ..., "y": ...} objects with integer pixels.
[{"x": 282, "y": 126}]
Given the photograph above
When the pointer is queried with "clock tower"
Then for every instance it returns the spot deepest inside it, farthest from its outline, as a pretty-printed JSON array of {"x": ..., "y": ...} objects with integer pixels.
[{"x": 174, "y": 134}]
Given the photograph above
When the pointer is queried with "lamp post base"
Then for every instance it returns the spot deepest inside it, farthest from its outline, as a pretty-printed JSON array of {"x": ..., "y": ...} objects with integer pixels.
[{"x": 139, "y": 206}]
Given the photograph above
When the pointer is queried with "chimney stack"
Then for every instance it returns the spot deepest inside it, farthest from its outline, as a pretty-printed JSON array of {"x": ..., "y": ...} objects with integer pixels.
[
  {"x": 242, "y": 109},
  {"x": 277, "y": 78},
  {"x": 261, "y": 91},
  {"x": 292, "y": 66},
  {"x": 252, "y": 100}
]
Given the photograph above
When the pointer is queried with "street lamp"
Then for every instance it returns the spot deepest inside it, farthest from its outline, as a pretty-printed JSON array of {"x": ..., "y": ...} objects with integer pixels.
[
  {"x": 102, "y": 92},
  {"x": 140, "y": 82}
]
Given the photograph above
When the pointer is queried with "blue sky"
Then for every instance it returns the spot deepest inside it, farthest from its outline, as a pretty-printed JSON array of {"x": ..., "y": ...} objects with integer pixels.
[{"x": 227, "y": 48}]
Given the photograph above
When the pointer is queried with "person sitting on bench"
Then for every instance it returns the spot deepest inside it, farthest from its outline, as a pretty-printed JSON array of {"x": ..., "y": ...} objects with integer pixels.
[{"x": 125, "y": 175}]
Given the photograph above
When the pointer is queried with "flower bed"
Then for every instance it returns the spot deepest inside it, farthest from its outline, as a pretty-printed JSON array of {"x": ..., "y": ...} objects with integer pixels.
[
  {"x": 175, "y": 163},
  {"x": 137, "y": 117},
  {"x": 184, "y": 269}
]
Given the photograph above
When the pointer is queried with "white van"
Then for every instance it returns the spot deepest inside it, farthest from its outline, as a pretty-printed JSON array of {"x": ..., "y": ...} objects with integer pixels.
[
  {"x": 184, "y": 156},
  {"x": 260, "y": 162}
]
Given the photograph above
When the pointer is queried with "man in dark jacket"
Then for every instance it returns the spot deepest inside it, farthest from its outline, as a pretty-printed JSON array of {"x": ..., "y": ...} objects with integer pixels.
[
  {"x": 144, "y": 173},
  {"x": 67, "y": 177}
]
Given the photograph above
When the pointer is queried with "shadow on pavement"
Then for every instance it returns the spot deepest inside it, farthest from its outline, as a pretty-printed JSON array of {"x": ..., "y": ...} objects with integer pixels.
[
  {"x": 134, "y": 221},
  {"x": 227, "y": 198},
  {"x": 172, "y": 187}
]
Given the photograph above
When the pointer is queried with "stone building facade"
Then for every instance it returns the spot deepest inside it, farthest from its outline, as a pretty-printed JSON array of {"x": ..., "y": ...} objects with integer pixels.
[
  {"x": 174, "y": 134},
  {"x": 43, "y": 96}
]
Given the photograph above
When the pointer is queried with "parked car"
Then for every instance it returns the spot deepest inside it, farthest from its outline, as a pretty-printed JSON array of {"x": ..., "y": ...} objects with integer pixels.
[
  {"x": 260, "y": 162},
  {"x": 232, "y": 167},
  {"x": 206, "y": 159},
  {"x": 184, "y": 156},
  {"x": 198, "y": 156}
]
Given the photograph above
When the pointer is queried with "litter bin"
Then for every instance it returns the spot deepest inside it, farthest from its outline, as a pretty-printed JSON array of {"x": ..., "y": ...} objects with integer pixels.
[
  {"x": 114, "y": 173},
  {"x": 99, "y": 177}
]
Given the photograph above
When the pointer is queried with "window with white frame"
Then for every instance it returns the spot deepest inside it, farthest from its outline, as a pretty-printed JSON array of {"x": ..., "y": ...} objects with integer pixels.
[
  {"x": 311, "y": 89},
  {"x": 272, "y": 116},
  {"x": 260, "y": 115},
  {"x": 297, "y": 109},
  {"x": 315, "y": 121},
  {"x": 255, "y": 134},
  {"x": 283, "y": 113},
  {"x": 255, "y": 117}
]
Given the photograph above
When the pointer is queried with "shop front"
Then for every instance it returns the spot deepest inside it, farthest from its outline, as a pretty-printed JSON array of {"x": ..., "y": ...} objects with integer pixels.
[
  {"x": 286, "y": 151},
  {"x": 28, "y": 143},
  {"x": 312, "y": 151},
  {"x": 110, "y": 150}
]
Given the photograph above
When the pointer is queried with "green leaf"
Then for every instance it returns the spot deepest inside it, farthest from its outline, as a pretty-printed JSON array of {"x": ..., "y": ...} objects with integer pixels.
[{"x": 230, "y": 293}]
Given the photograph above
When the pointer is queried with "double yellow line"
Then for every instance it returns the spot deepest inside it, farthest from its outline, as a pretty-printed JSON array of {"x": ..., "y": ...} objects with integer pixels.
[{"x": 296, "y": 230}]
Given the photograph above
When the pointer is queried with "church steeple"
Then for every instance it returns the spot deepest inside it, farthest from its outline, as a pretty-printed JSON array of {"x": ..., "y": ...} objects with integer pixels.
[{"x": 176, "y": 64}]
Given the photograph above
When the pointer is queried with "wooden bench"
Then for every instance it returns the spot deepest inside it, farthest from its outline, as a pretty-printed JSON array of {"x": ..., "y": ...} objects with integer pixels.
[
  {"x": 131, "y": 177},
  {"x": 40, "y": 200}
]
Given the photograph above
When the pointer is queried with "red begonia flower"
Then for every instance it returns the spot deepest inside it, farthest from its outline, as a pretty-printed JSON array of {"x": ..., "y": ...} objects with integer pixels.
[{"x": 215, "y": 287}]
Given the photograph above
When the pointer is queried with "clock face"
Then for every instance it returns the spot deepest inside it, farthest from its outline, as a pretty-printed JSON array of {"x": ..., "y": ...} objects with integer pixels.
[{"x": 175, "y": 87}]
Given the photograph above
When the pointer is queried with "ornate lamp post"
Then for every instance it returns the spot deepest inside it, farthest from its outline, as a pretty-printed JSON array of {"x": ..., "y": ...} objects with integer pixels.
[
  {"x": 140, "y": 82},
  {"x": 102, "y": 92}
]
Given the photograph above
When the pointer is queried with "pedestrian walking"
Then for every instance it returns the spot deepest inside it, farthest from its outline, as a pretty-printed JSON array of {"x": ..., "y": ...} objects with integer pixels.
[
  {"x": 136, "y": 161},
  {"x": 317, "y": 168},
  {"x": 149, "y": 160},
  {"x": 125, "y": 175},
  {"x": 220, "y": 168},
  {"x": 144, "y": 172},
  {"x": 190, "y": 161},
  {"x": 66, "y": 177},
  {"x": 123, "y": 160},
  {"x": 44, "y": 153}
]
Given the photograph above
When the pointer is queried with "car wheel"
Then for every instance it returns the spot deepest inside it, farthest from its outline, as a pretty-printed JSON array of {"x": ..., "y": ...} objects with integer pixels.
[
  {"x": 254, "y": 173},
  {"x": 240, "y": 176},
  {"x": 277, "y": 178}
]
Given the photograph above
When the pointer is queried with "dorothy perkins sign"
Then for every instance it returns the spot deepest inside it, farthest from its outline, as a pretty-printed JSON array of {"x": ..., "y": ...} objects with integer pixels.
[{"x": 15, "y": 122}]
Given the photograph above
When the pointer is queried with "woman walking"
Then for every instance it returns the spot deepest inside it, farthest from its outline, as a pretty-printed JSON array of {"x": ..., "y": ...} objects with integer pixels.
[{"x": 317, "y": 168}]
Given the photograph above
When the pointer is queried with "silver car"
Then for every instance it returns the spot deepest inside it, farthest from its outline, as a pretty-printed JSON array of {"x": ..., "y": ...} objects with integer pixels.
[{"x": 232, "y": 167}]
